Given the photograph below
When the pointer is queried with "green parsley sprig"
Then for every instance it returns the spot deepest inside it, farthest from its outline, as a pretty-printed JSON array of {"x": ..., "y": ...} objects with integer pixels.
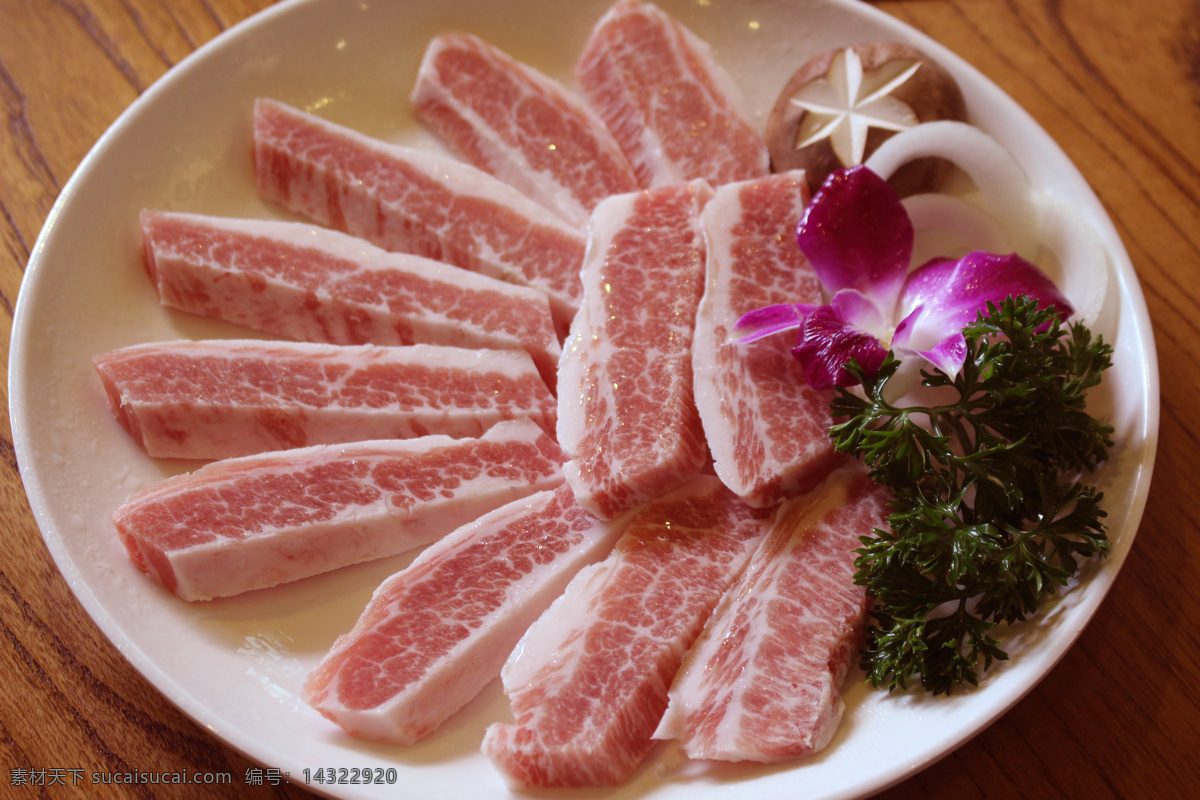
[{"x": 989, "y": 513}]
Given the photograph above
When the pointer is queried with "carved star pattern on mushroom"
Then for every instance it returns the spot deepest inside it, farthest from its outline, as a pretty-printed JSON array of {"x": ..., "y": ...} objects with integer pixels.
[{"x": 845, "y": 104}]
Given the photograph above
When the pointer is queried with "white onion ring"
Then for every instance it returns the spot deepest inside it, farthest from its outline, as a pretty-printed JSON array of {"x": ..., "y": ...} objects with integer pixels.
[
  {"x": 1032, "y": 220},
  {"x": 950, "y": 226},
  {"x": 1083, "y": 267},
  {"x": 1001, "y": 181}
]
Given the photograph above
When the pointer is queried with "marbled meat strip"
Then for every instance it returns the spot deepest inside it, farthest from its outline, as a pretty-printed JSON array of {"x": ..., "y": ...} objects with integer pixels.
[
  {"x": 224, "y": 398},
  {"x": 763, "y": 682},
  {"x": 435, "y": 633},
  {"x": 626, "y": 416},
  {"x": 766, "y": 428},
  {"x": 412, "y": 201},
  {"x": 675, "y": 111},
  {"x": 520, "y": 125},
  {"x": 258, "y": 521},
  {"x": 302, "y": 282},
  {"x": 588, "y": 681}
]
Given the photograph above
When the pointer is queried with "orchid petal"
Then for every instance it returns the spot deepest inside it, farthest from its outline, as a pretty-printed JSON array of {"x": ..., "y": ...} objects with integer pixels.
[
  {"x": 861, "y": 311},
  {"x": 857, "y": 235},
  {"x": 904, "y": 330},
  {"x": 768, "y": 320},
  {"x": 947, "y": 355},
  {"x": 827, "y": 343},
  {"x": 952, "y": 293}
]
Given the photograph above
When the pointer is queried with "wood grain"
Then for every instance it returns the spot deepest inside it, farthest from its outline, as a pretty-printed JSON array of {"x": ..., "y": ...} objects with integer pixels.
[{"x": 1116, "y": 84}]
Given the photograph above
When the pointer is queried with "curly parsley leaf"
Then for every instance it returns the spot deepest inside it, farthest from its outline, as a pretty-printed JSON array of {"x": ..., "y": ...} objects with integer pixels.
[{"x": 989, "y": 516}]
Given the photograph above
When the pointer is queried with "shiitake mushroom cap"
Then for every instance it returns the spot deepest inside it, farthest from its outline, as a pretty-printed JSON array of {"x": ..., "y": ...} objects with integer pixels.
[{"x": 931, "y": 92}]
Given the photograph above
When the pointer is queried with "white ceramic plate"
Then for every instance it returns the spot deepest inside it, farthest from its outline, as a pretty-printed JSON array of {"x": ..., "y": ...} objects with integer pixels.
[{"x": 237, "y": 665}]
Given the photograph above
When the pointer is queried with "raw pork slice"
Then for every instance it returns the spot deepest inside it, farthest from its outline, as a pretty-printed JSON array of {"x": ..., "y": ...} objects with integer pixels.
[
  {"x": 588, "y": 681},
  {"x": 767, "y": 429},
  {"x": 763, "y": 682},
  {"x": 521, "y": 126},
  {"x": 412, "y": 201},
  {"x": 626, "y": 415},
  {"x": 257, "y": 521},
  {"x": 307, "y": 283},
  {"x": 675, "y": 111},
  {"x": 224, "y": 398},
  {"x": 437, "y": 632}
]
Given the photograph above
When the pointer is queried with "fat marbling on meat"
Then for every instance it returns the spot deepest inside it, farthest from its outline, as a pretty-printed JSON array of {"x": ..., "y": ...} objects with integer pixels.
[
  {"x": 766, "y": 427},
  {"x": 626, "y": 416},
  {"x": 259, "y": 521},
  {"x": 407, "y": 200},
  {"x": 520, "y": 125},
  {"x": 223, "y": 398},
  {"x": 673, "y": 108},
  {"x": 588, "y": 681},
  {"x": 763, "y": 681},
  {"x": 303, "y": 282},
  {"x": 435, "y": 633}
]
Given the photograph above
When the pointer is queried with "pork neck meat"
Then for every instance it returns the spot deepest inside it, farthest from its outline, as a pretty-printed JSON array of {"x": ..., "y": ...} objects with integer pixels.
[
  {"x": 763, "y": 681},
  {"x": 519, "y": 125},
  {"x": 302, "y": 282},
  {"x": 225, "y": 398},
  {"x": 766, "y": 428},
  {"x": 675, "y": 111},
  {"x": 258, "y": 521},
  {"x": 413, "y": 201},
  {"x": 626, "y": 416},
  {"x": 588, "y": 681},
  {"x": 434, "y": 634}
]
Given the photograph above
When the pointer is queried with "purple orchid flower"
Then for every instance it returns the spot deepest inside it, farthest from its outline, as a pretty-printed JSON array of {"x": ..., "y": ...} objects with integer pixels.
[{"x": 859, "y": 240}]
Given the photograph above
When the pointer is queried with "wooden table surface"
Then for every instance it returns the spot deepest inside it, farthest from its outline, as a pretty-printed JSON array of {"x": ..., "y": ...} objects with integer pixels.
[{"x": 1116, "y": 84}]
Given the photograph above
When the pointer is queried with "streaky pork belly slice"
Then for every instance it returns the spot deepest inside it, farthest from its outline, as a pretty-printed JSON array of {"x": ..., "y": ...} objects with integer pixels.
[
  {"x": 520, "y": 125},
  {"x": 588, "y": 681},
  {"x": 676, "y": 112},
  {"x": 412, "y": 201},
  {"x": 766, "y": 428},
  {"x": 258, "y": 521},
  {"x": 626, "y": 415},
  {"x": 763, "y": 681},
  {"x": 435, "y": 633},
  {"x": 224, "y": 398},
  {"x": 303, "y": 282}
]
